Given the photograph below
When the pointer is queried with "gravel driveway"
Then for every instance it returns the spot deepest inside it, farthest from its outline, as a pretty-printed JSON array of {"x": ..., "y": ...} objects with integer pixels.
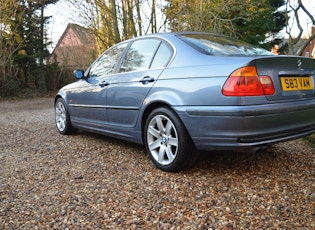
[{"x": 87, "y": 181}]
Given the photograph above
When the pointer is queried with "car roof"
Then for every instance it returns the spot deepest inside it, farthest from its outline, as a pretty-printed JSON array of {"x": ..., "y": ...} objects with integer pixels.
[{"x": 173, "y": 34}]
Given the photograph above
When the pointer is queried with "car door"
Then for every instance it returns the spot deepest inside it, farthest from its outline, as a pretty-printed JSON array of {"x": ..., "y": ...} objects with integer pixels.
[
  {"x": 88, "y": 103},
  {"x": 140, "y": 68}
]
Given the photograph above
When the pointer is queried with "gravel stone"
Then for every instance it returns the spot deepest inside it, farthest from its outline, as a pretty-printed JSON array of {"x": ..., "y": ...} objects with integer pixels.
[{"x": 88, "y": 181}]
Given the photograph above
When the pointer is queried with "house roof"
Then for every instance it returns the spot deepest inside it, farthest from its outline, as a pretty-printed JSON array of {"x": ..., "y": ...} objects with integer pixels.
[{"x": 85, "y": 35}]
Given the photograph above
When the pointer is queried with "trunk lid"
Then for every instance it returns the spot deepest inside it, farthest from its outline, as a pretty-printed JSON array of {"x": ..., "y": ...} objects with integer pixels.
[{"x": 293, "y": 77}]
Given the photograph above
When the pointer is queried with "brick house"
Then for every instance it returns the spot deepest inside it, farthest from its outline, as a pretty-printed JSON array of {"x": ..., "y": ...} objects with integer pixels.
[
  {"x": 309, "y": 51},
  {"x": 75, "y": 48}
]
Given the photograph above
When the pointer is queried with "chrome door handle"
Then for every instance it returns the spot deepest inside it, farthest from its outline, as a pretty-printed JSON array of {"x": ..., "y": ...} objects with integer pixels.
[
  {"x": 103, "y": 84},
  {"x": 147, "y": 79}
]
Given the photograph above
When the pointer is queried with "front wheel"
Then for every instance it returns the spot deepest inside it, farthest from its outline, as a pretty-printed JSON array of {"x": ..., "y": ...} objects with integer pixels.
[
  {"x": 167, "y": 141},
  {"x": 62, "y": 118}
]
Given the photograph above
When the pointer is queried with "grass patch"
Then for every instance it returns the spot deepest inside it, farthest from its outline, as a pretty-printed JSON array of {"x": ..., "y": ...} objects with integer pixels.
[{"x": 311, "y": 139}]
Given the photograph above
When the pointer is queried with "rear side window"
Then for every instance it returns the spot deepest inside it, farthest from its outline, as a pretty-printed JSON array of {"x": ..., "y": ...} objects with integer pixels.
[
  {"x": 139, "y": 55},
  {"x": 162, "y": 56}
]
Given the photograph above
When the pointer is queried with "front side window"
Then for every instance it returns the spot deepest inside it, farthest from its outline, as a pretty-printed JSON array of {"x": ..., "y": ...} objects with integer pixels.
[
  {"x": 139, "y": 55},
  {"x": 106, "y": 64}
]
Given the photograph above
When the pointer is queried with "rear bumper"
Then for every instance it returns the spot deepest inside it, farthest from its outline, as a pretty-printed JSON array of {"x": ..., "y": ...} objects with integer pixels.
[{"x": 243, "y": 127}]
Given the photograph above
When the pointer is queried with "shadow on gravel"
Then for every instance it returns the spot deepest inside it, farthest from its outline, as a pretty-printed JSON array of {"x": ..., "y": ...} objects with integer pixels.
[
  {"x": 111, "y": 140},
  {"x": 266, "y": 161},
  {"x": 236, "y": 160},
  {"x": 274, "y": 160}
]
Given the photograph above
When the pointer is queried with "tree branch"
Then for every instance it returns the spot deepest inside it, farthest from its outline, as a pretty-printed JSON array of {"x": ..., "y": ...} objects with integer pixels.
[
  {"x": 305, "y": 44},
  {"x": 307, "y": 12}
]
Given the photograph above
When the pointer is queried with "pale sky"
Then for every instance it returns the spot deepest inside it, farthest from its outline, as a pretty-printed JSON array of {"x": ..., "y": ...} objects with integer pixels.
[
  {"x": 61, "y": 16},
  {"x": 304, "y": 19}
]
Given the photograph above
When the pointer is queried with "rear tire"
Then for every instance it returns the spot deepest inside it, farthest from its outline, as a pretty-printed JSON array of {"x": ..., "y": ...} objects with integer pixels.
[
  {"x": 167, "y": 141},
  {"x": 62, "y": 118}
]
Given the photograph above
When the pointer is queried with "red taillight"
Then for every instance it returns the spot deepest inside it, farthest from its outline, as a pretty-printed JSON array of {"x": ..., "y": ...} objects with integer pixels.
[{"x": 246, "y": 82}]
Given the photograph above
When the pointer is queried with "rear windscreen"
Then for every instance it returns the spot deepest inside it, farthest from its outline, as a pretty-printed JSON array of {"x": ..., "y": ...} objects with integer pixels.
[{"x": 212, "y": 44}]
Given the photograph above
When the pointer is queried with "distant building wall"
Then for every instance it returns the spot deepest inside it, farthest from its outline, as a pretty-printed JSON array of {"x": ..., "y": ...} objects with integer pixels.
[
  {"x": 75, "y": 56},
  {"x": 75, "y": 49},
  {"x": 309, "y": 51}
]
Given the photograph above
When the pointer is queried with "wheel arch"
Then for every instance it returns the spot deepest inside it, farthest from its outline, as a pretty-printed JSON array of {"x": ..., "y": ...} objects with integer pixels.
[
  {"x": 152, "y": 107},
  {"x": 62, "y": 96},
  {"x": 147, "y": 112},
  {"x": 57, "y": 97},
  {"x": 157, "y": 99}
]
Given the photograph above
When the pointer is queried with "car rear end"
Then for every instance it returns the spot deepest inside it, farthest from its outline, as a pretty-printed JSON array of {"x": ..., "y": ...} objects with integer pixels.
[
  {"x": 231, "y": 95},
  {"x": 293, "y": 100},
  {"x": 275, "y": 102}
]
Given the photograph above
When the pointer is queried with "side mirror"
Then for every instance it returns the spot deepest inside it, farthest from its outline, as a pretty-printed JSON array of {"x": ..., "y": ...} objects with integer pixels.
[{"x": 78, "y": 74}]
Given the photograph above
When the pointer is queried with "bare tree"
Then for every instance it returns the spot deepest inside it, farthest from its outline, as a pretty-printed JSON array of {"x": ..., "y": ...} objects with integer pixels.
[
  {"x": 115, "y": 20},
  {"x": 297, "y": 7}
]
